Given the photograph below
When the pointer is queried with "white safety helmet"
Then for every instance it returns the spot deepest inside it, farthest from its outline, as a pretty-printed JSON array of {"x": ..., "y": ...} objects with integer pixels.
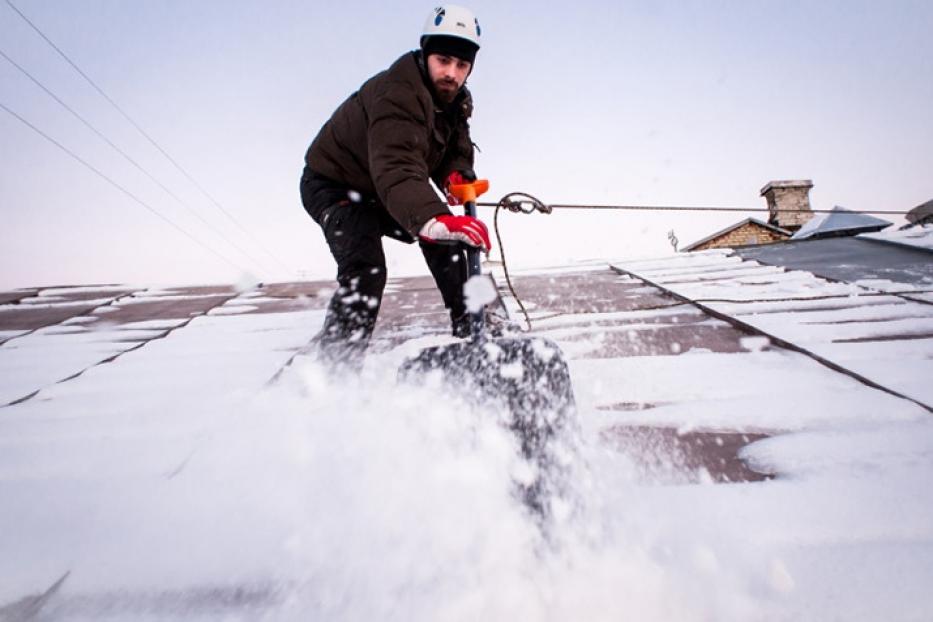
[{"x": 454, "y": 25}]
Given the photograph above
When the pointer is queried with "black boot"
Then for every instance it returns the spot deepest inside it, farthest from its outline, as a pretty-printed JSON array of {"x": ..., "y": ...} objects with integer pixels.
[{"x": 460, "y": 326}]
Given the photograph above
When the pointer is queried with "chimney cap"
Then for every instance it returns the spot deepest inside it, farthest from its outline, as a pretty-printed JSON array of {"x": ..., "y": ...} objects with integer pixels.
[{"x": 787, "y": 183}]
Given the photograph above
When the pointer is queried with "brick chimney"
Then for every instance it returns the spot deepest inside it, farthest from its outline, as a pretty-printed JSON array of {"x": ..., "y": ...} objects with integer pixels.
[{"x": 788, "y": 203}]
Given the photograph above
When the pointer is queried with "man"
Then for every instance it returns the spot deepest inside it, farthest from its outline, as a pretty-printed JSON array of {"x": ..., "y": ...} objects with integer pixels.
[{"x": 368, "y": 174}]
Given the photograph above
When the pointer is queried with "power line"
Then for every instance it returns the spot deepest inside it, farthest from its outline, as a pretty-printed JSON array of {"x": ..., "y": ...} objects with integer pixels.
[
  {"x": 129, "y": 159},
  {"x": 132, "y": 196},
  {"x": 148, "y": 137}
]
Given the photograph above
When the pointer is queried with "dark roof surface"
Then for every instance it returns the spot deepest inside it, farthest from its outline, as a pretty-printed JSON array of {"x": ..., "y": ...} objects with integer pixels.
[{"x": 847, "y": 259}]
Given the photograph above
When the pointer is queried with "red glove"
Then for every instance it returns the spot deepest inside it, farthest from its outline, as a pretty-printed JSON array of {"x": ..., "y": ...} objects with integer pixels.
[
  {"x": 457, "y": 178},
  {"x": 449, "y": 228}
]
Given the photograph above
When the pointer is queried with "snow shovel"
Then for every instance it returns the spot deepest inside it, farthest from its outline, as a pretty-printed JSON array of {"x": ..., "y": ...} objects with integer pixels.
[{"x": 526, "y": 375}]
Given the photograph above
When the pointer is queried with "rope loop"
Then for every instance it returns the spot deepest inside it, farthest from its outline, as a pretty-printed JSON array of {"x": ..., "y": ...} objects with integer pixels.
[{"x": 519, "y": 203}]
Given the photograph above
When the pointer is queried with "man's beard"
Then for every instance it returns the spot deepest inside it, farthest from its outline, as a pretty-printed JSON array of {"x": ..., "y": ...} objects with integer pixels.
[{"x": 446, "y": 90}]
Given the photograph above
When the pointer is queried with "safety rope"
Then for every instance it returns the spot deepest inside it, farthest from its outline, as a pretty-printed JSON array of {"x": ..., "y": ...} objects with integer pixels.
[
  {"x": 524, "y": 203},
  {"x": 683, "y": 208},
  {"x": 520, "y": 203}
]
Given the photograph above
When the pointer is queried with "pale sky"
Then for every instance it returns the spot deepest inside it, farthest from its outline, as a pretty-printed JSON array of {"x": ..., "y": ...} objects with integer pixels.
[{"x": 658, "y": 103}]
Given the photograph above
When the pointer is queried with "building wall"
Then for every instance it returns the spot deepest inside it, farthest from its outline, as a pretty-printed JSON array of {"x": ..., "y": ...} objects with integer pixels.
[{"x": 746, "y": 235}]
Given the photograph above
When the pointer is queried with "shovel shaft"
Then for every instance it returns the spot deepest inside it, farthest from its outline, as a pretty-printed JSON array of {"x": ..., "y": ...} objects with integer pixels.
[
  {"x": 472, "y": 251},
  {"x": 473, "y": 269}
]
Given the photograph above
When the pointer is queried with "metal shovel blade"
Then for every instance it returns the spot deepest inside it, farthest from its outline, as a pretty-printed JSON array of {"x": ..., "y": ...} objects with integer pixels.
[{"x": 528, "y": 377}]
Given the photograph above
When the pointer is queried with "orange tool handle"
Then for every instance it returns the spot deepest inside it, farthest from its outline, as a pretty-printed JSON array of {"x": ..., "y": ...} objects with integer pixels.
[{"x": 468, "y": 192}]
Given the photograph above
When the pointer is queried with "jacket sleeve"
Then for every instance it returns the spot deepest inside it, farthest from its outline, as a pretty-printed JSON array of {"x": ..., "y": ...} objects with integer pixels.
[{"x": 398, "y": 151}]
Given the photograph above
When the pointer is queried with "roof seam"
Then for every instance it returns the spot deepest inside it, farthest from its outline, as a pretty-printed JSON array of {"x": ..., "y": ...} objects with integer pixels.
[
  {"x": 114, "y": 357},
  {"x": 86, "y": 313},
  {"x": 870, "y": 290},
  {"x": 754, "y": 330}
]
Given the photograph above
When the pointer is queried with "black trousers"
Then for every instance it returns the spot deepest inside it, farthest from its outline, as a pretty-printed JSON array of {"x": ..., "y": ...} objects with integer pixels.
[{"x": 354, "y": 226}]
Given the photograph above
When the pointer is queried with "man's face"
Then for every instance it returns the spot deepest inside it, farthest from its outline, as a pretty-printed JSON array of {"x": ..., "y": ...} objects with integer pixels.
[{"x": 448, "y": 73}]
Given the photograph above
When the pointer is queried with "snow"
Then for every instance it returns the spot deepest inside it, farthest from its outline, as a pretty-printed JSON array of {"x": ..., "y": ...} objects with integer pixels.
[
  {"x": 52, "y": 302},
  {"x": 591, "y": 319},
  {"x": 840, "y": 219},
  {"x": 840, "y": 321},
  {"x": 919, "y": 236},
  {"x": 85, "y": 289},
  {"x": 235, "y": 309},
  {"x": 48, "y": 355},
  {"x": 723, "y": 391},
  {"x": 178, "y": 469},
  {"x": 157, "y": 325},
  {"x": 479, "y": 291}
]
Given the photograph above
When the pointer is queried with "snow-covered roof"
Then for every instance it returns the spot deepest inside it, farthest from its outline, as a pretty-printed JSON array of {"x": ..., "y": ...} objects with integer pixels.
[
  {"x": 917, "y": 236},
  {"x": 147, "y": 459},
  {"x": 840, "y": 221}
]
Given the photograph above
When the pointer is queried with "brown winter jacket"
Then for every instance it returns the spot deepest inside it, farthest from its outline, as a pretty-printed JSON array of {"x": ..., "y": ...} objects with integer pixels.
[{"x": 387, "y": 139}]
